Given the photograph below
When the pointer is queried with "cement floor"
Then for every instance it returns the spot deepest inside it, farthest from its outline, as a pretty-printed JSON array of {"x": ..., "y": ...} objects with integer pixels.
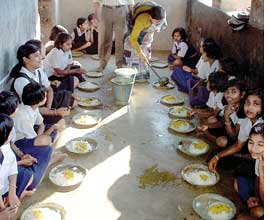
[{"x": 130, "y": 140}]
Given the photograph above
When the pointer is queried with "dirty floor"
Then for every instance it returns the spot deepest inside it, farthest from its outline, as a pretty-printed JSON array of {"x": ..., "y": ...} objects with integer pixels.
[{"x": 130, "y": 140}]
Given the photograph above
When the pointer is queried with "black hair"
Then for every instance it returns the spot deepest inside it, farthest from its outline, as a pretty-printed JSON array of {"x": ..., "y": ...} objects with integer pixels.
[
  {"x": 6, "y": 125},
  {"x": 56, "y": 30},
  {"x": 211, "y": 49},
  {"x": 239, "y": 84},
  {"x": 23, "y": 51},
  {"x": 90, "y": 17},
  {"x": 182, "y": 33},
  {"x": 217, "y": 81},
  {"x": 257, "y": 129},
  {"x": 256, "y": 92},
  {"x": 8, "y": 102},
  {"x": 35, "y": 42},
  {"x": 80, "y": 21},
  {"x": 33, "y": 93},
  {"x": 157, "y": 12},
  {"x": 61, "y": 39},
  {"x": 229, "y": 66}
]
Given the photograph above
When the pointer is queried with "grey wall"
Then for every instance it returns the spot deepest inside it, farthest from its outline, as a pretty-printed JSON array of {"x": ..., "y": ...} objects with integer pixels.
[
  {"x": 67, "y": 11},
  {"x": 19, "y": 22}
]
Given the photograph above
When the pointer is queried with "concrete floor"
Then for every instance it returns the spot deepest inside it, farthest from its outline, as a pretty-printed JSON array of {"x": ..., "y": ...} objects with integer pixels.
[{"x": 131, "y": 139}]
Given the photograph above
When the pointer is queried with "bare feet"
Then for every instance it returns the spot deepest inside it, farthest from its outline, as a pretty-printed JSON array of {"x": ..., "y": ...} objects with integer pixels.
[{"x": 57, "y": 157}]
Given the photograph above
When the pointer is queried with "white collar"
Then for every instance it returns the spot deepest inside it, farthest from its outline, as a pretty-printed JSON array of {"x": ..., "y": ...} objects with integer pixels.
[{"x": 28, "y": 72}]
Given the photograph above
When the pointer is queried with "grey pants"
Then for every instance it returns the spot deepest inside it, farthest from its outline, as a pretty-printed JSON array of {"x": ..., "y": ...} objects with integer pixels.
[{"x": 112, "y": 19}]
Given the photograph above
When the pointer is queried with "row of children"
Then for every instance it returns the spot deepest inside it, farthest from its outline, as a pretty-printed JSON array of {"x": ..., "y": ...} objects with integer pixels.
[
  {"x": 84, "y": 36},
  {"x": 32, "y": 115},
  {"x": 231, "y": 114}
]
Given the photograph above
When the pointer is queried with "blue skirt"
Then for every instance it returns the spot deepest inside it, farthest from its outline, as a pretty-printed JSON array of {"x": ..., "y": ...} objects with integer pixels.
[
  {"x": 201, "y": 98},
  {"x": 23, "y": 178},
  {"x": 41, "y": 153},
  {"x": 180, "y": 77}
]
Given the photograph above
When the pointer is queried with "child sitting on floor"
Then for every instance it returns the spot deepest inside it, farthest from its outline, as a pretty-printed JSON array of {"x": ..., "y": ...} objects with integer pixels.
[
  {"x": 8, "y": 166},
  {"x": 183, "y": 53},
  {"x": 253, "y": 109},
  {"x": 58, "y": 63},
  {"x": 81, "y": 36},
  {"x": 54, "y": 32},
  {"x": 251, "y": 190}
]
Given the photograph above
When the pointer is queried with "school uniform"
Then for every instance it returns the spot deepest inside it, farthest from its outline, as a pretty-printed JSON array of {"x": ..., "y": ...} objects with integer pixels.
[
  {"x": 215, "y": 100},
  {"x": 204, "y": 69},
  {"x": 80, "y": 38},
  {"x": 59, "y": 59},
  {"x": 8, "y": 167},
  {"x": 24, "y": 122}
]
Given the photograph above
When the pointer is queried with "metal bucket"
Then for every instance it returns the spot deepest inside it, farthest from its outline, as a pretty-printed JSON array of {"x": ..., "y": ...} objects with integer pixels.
[
  {"x": 126, "y": 72},
  {"x": 122, "y": 89}
]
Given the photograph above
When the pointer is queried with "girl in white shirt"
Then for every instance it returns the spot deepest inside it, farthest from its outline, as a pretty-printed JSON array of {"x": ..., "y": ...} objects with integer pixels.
[
  {"x": 183, "y": 53},
  {"x": 251, "y": 188},
  {"x": 58, "y": 63},
  {"x": 8, "y": 165},
  {"x": 253, "y": 109}
]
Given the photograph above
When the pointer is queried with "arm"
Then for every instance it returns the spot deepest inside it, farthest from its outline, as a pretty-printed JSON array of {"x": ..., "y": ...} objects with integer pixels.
[
  {"x": 190, "y": 70},
  {"x": 12, "y": 198},
  {"x": 232, "y": 130},
  {"x": 16, "y": 150},
  {"x": 87, "y": 44},
  {"x": 49, "y": 97},
  {"x": 67, "y": 71},
  {"x": 261, "y": 180},
  {"x": 236, "y": 147},
  {"x": 41, "y": 129}
]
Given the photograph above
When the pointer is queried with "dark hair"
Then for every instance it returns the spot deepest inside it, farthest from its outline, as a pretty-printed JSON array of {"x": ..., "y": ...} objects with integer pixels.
[
  {"x": 23, "y": 51},
  {"x": 33, "y": 93},
  {"x": 211, "y": 49},
  {"x": 256, "y": 92},
  {"x": 229, "y": 66},
  {"x": 61, "y": 39},
  {"x": 80, "y": 21},
  {"x": 157, "y": 12},
  {"x": 35, "y": 42},
  {"x": 6, "y": 125},
  {"x": 56, "y": 30},
  {"x": 257, "y": 129},
  {"x": 182, "y": 33},
  {"x": 242, "y": 87},
  {"x": 90, "y": 17},
  {"x": 217, "y": 81},
  {"x": 8, "y": 102}
]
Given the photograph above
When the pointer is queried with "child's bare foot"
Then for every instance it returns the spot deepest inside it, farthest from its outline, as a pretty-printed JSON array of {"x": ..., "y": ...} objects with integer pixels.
[
  {"x": 57, "y": 157},
  {"x": 28, "y": 193}
]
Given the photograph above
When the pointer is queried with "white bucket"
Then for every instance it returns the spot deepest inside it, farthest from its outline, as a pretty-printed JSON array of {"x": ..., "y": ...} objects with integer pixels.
[
  {"x": 122, "y": 89},
  {"x": 126, "y": 72}
]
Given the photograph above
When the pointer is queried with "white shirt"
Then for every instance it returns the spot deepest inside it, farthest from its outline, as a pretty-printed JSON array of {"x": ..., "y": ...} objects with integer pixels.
[
  {"x": 180, "y": 49},
  {"x": 7, "y": 168},
  {"x": 24, "y": 121},
  {"x": 233, "y": 116},
  {"x": 80, "y": 33},
  {"x": 21, "y": 82},
  {"x": 57, "y": 58},
  {"x": 245, "y": 128},
  {"x": 215, "y": 100},
  {"x": 204, "y": 68},
  {"x": 115, "y": 2}
]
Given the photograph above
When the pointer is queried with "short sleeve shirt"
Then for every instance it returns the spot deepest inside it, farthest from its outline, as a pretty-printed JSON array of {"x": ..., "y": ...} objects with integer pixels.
[
  {"x": 8, "y": 167},
  {"x": 180, "y": 49},
  {"x": 215, "y": 100},
  {"x": 57, "y": 58},
  {"x": 204, "y": 68},
  {"x": 21, "y": 82},
  {"x": 24, "y": 121}
]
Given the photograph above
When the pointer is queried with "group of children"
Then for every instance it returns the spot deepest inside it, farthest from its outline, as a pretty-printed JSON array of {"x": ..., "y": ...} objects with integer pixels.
[
  {"x": 231, "y": 115},
  {"x": 32, "y": 115}
]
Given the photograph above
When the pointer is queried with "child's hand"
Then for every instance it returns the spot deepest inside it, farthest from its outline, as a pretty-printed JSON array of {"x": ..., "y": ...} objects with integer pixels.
[
  {"x": 228, "y": 110},
  {"x": 63, "y": 111},
  {"x": 253, "y": 202},
  {"x": 191, "y": 113},
  {"x": 8, "y": 213},
  {"x": 202, "y": 128},
  {"x": 27, "y": 160},
  {"x": 88, "y": 44},
  {"x": 261, "y": 166},
  {"x": 187, "y": 69},
  {"x": 82, "y": 71},
  {"x": 13, "y": 200},
  {"x": 212, "y": 164},
  {"x": 56, "y": 83}
]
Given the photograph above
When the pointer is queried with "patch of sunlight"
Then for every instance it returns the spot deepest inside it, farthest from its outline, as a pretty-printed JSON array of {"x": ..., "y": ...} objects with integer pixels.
[
  {"x": 206, "y": 2},
  {"x": 91, "y": 200},
  {"x": 70, "y": 133}
]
